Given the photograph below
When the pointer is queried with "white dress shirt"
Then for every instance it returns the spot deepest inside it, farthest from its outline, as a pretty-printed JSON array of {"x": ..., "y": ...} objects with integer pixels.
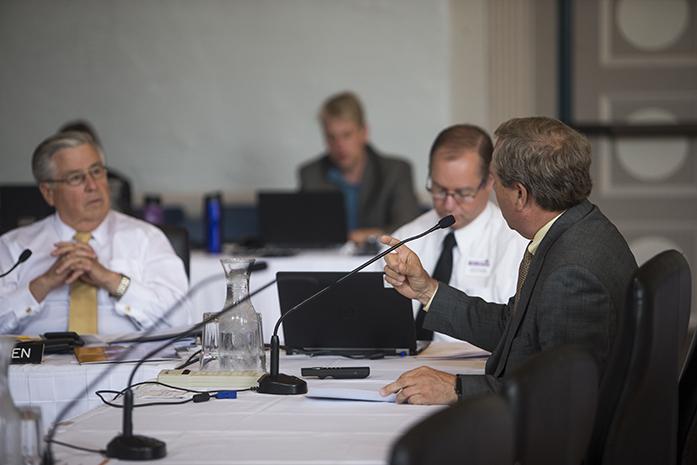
[
  {"x": 123, "y": 244},
  {"x": 485, "y": 261}
]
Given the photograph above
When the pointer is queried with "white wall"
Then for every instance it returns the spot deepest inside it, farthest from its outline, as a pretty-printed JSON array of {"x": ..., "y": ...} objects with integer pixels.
[{"x": 190, "y": 97}]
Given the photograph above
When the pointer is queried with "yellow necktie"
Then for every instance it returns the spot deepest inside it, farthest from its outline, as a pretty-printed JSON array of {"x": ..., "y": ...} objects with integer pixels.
[{"x": 83, "y": 301}]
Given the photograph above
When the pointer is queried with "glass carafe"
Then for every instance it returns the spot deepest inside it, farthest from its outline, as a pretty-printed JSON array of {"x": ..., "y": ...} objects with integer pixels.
[
  {"x": 241, "y": 342},
  {"x": 20, "y": 428}
]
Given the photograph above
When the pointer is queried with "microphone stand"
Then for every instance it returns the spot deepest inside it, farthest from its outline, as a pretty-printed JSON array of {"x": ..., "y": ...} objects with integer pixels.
[
  {"x": 280, "y": 383},
  {"x": 129, "y": 446},
  {"x": 48, "y": 454}
]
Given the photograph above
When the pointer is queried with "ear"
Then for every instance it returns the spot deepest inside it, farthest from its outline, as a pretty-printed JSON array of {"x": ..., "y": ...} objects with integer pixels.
[
  {"x": 47, "y": 193},
  {"x": 522, "y": 196}
]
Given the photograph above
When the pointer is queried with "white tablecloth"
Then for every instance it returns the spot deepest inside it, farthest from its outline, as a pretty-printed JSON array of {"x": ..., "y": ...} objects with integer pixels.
[
  {"x": 210, "y": 297},
  {"x": 265, "y": 429},
  {"x": 60, "y": 378}
]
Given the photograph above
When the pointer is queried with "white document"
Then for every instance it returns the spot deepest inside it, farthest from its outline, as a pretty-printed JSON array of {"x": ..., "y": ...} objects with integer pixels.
[{"x": 349, "y": 393}]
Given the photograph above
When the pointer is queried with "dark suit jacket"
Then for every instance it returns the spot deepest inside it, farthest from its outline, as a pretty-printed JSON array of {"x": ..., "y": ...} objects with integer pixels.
[
  {"x": 576, "y": 284},
  {"x": 386, "y": 200}
]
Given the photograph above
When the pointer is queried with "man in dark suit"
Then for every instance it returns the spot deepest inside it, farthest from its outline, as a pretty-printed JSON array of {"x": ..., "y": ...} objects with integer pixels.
[
  {"x": 572, "y": 280},
  {"x": 378, "y": 190}
]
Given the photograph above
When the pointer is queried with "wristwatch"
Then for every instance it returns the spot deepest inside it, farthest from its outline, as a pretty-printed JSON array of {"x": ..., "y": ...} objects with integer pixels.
[{"x": 123, "y": 287}]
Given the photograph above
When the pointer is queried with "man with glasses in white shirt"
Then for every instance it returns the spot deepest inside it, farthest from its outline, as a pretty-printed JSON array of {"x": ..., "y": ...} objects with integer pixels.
[
  {"x": 479, "y": 254},
  {"x": 92, "y": 270}
]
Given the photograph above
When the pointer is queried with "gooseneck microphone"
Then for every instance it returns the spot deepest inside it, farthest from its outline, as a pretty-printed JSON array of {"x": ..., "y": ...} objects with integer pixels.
[
  {"x": 279, "y": 383},
  {"x": 23, "y": 257}
]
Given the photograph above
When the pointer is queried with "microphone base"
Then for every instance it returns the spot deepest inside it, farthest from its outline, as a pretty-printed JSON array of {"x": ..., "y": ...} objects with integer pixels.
[
  {"x": 281, "y": 384},
  {"x": 136, "y": 447}
]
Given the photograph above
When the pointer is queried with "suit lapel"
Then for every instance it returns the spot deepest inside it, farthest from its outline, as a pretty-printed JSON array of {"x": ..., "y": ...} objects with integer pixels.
[{"x": 568, "y": 219}]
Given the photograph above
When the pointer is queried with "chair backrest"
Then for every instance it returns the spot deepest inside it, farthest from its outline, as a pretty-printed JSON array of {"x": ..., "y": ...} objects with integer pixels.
[
  {"x": 643, "y": 403},
  {"x": 553, "y": 398},
  {"x": 687, "y": 401},
  {"x": 475, "y": 431},
  {"x": 120, "y": 192},
  {"x": 179, "y": 238}
]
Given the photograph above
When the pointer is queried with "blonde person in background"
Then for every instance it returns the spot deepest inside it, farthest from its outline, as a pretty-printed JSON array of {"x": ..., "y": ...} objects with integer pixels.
[{"x": 378, "y": 189}]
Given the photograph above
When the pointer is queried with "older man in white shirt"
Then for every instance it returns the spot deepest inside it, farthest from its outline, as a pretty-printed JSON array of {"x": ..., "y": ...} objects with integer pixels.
[
  {"x": 479, "y": 254},
  {"x": 92, "y": 270}
]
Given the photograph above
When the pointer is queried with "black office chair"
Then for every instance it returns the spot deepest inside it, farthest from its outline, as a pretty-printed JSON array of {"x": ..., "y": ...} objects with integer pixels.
[
  {"x": 687, "y": 400},
  {"x": 475, "y": 431},
  {"x": 687, "y": 385},
  {"x": 179, "y": 238},
  {"x": 120, "y": 192},
  {"x": 553, "y": 397},
  {"x": 638, "y": 409}
]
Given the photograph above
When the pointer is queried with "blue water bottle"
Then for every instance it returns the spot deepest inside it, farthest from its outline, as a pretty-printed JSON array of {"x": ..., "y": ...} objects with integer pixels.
[{"x": 213, "y": 208}]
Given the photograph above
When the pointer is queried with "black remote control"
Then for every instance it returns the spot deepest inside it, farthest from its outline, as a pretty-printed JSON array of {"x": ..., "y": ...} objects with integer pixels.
[{"x": 336, "y": 372}]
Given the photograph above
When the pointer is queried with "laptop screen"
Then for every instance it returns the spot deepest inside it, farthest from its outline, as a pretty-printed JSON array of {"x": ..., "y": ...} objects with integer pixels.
[
  {"x": 302, "y": 219},
  {"x": 360, "y": 316},
  {"x": 20, "y": 205}
]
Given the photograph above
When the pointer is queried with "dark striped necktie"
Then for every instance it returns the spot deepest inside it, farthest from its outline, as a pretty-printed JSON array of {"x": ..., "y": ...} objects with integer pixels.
[
  {"x": 522, "y": 274},
  {"x": 442, "y": 273}
]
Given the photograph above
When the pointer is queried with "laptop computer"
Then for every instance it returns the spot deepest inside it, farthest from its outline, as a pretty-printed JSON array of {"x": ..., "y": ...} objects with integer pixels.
[
  {"x": 360, "y": 317},
  {"x": 302, "y": 220},
  {"x": 20, "y": 205}
]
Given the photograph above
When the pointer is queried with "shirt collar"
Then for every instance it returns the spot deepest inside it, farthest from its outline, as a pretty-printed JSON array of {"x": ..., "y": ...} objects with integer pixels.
[
  {"x": 101, "y": 233},
  {"x": 541, "y": 233},
  {"x": 475, "y": 228},
  {"x": 66, "y": 233}
]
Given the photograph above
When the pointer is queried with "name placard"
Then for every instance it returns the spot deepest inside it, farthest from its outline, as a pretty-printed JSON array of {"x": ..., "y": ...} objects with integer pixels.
[{"x": 27, "y": 352}]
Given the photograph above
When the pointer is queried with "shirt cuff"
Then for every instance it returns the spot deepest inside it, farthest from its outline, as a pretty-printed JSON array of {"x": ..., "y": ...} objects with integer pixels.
[
  {"x": 25, "y": 304},
  {"x": 129, "y": 304},
  {"x": 430, "y": 301}
]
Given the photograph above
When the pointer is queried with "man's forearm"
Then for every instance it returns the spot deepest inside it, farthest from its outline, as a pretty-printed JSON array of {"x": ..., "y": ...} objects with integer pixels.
[{"x": 39, "y": 288}]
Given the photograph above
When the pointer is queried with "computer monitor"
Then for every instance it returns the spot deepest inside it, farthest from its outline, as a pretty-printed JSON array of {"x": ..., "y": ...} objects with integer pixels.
[
  {"x": 302, "y": 219},
  {"x": 20, "y": 205}
]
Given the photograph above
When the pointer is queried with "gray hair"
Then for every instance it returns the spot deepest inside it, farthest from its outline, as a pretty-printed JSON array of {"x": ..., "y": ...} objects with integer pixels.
[
  {"x": 42, "y": 165},
  {"x": 546, "y": 156}
]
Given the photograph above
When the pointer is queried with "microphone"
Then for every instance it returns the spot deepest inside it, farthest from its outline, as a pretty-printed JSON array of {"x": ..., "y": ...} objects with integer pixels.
[
  {"x": 279, "y": 383},
  {"x": 23, "y": 257}
]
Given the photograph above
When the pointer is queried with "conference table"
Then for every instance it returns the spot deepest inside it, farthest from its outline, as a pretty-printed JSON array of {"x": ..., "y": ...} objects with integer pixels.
[
  {"x": 266, "y": 429},
  {"x": 255, "y": 428},
  {"x": 60, "y": 378}
]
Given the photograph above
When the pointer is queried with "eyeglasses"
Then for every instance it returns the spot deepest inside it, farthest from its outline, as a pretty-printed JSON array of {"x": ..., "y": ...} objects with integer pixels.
[
  {"x": 79, "y": 178},
  {"x": 458, "y": 195}
]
